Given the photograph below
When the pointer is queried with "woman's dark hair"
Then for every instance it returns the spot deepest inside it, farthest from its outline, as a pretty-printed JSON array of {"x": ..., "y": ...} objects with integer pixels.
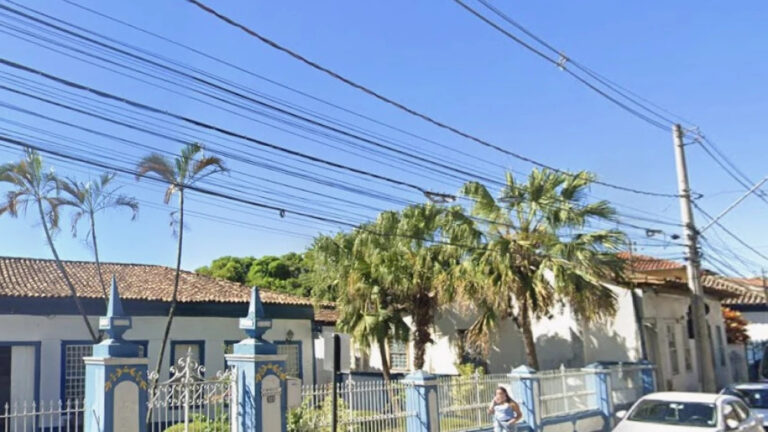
[{"x": 506, "y": 393}]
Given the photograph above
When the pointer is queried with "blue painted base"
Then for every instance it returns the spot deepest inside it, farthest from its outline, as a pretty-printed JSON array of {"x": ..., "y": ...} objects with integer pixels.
[
  {"x": 105, "y": 380},
  {"x": 261, "y": 390}
]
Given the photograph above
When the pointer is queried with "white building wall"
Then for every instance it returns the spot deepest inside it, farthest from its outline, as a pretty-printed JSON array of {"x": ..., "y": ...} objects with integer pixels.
[
  {"x": 757, "y": 329},
  {"x": 52, "y": 330},
  {"x": 616, "y": 338}
]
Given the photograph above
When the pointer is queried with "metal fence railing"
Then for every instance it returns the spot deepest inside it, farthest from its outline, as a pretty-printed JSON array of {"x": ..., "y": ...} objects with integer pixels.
[
  {"x": 189, "y": 401},
  {"x": 43, "y": 417},
  {"x": 463, "y": 400},
  {"x": 370, "y": 406},
  {"x": 627, "y": 383},
  {"x": 566, "y": 391}
]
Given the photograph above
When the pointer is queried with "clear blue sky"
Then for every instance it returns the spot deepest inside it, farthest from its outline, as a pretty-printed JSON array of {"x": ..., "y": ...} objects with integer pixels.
[{"x": 703, "y": 60}]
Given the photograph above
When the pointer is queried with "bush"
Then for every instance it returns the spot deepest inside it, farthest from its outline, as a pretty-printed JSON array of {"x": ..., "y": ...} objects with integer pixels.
[{"x": 200, "y": 423}]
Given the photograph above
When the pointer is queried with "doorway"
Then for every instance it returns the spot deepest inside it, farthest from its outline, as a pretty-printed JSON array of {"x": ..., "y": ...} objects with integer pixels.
[{"x": 5, "y": 380}]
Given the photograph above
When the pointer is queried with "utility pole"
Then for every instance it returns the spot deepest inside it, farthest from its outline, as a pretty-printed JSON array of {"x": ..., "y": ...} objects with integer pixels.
[{"x": 693, "y": 267}]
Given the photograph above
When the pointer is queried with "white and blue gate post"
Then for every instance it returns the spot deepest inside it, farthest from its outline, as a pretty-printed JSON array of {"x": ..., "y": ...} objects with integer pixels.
[
  {"x": 601, "y": 383},
  {"x": 527, "y": 389},
  {"x": 421, "y": 399},
  {"x": 261, "y": 378},
  {"x": 115, "y": 377},
  {"x": 647, "y": 377}
]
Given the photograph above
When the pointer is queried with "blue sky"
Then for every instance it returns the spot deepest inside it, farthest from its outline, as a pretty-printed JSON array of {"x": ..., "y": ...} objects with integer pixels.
[{"x": 703, "y": 60}]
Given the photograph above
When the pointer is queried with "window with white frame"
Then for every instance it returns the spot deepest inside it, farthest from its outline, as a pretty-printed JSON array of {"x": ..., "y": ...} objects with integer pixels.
[
  {"x": 672, "y": 344},
  {"x": 687, "y": 351},
  {"x": 720, "y": 345},
  {"x": 74, "y": 370},
  {"x": 293, "y": 357},
  {"x": 398, "y": 355}
]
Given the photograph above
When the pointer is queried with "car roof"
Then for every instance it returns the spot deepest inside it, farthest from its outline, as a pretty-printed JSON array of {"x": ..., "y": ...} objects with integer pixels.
[
  {"x": 750, "y": 386},
  {"x": 684, "y": 397}
]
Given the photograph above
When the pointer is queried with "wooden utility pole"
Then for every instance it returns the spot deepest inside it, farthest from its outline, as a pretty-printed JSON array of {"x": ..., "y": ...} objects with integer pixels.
[{"x": 693, "y": 266}]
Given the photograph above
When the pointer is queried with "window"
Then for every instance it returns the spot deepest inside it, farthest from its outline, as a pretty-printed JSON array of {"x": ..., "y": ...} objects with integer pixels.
[
  {"x": 73, "y": 369},
  {"x": 687, "y": 353},
  {"x": 179, "y": 350},
  {"x": 229, "y": 348},
  {"x": 674, "y": 413},
  {"x": 720, "y": 345},
  {"x": 731, "y": 412},
  {"x": 292, "y": 351},
  {"x": 672, "y": 344},
  {"x": 398, "y": 355}
]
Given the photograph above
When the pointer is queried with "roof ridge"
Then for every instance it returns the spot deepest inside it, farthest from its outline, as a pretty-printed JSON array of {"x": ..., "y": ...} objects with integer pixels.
[{"x": 8, "y": 257}]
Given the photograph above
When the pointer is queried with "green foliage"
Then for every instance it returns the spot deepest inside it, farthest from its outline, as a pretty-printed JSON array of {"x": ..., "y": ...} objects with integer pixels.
[
  {"x": 538, "y": 254},
  {"x": 309, "y": 418},
  {"x": 468, "y": 369},
  {"x": 200, "y": 423},
  {"x": 286, "y": 273}
]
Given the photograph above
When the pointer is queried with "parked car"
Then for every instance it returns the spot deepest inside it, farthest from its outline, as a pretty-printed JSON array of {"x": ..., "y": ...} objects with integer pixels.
[
  {"x": 694, "y": 412},
  {"x": 754, "y": 394}
]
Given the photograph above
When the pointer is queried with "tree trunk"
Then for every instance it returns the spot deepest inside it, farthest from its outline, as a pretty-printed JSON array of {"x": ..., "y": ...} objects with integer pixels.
[
  {"x": 64, "y": 273},
  {"x": 423, "y": 317},
  {"x": 528, "y": 342},
  {"x": 96, "y": 256},
  {"x": 381, "y": 342},
  {"x": 384, "y": 360},
  {"x": 172, "y": 309}
]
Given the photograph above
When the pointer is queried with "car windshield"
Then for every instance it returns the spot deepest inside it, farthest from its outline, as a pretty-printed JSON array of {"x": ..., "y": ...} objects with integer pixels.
[
  {"x": 757, "y": 398},
  {"x": 675, "y": 413}
]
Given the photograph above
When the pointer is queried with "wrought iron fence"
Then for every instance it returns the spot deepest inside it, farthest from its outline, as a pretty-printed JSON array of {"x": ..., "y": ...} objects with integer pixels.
[
  {"x": 627, "y": 383},
  {"x": 190, "y": 402},
  {"x": 43, "y": 417},
  {"x": 566, "y": 391},
  {"x": 464, "y": 400},
  {"x": 371, "y": 406}
]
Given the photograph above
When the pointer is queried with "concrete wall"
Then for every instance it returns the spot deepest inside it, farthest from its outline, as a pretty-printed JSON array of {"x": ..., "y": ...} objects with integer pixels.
[{"x": 52, "y": 330}]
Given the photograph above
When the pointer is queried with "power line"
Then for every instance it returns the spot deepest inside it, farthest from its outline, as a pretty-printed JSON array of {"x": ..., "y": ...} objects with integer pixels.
[
  {"x": 405, "y": 108},
  {"x": 732, "y": 235}
]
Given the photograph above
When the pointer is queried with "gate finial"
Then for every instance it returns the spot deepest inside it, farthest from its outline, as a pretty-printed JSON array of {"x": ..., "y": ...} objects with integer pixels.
[{"x": 255, "y": 323}]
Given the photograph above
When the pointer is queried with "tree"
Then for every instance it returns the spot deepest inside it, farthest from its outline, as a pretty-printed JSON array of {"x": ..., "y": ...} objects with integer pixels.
[
  {"x": 181, "y": 172},
  {"x": 89, "y": 198},
  {"x": 735, "y": 326},
  {"x": 286, "y": 273},
  {"x": 414, "y": 252},
  {"x": 34, "y": 186},
  {"x": 538, "y": 254},
  {"x": 367, "y": 312}
]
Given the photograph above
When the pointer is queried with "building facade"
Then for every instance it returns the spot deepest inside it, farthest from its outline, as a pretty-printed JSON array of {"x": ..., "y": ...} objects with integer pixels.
[{"x": 43, "y": 338}]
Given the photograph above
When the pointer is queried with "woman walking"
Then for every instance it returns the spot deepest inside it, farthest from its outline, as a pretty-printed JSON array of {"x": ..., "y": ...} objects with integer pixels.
[{"x": 506, "y": 412}]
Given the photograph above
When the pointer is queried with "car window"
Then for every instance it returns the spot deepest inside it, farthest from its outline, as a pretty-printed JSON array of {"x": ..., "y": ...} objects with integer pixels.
[
  {"x": 757, "y": 398},
  {"x": 742, "y": 409},
  {"x": 730, "y": 412},
  {"x": 675, "y": 413}
]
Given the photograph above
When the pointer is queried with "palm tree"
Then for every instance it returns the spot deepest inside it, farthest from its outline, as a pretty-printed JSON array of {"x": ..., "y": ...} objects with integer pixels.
[
  {"x": 181, "y": 172},
  {"x": 33, "y": 186},
  {"x": 415, "y": 254},
  {"x": 89, "y": 198},
  {"x": 538, "y": 254},
  {"x": 340, "y": 270}
]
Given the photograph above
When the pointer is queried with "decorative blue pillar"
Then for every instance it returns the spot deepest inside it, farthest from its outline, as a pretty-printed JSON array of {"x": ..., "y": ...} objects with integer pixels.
[
  {"x": 526, "y": 387},
  {"x": 421, "y": 398},
  {"x": 648, "y": 377},
  {"x": 261, "y": 378},
  {"x": 115, "y": 377},
  {"x": 601, "y": 384}
]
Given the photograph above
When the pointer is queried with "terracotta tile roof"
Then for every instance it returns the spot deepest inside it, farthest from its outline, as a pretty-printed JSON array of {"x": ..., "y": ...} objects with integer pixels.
[
  {"x": 642, "y": 263},
  {"x": 752, "y": 292},
  {"x": 28, "y": 277},
  {"x": 326, "y": 315}
]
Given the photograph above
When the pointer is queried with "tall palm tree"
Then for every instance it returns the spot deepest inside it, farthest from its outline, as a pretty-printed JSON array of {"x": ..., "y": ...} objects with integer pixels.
[
  {"x": 539, "y": 253},
  {"x": 89, "y": 198},
  {"x": 34, "y": 186},
  {"x": 181, "y": 172}
]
